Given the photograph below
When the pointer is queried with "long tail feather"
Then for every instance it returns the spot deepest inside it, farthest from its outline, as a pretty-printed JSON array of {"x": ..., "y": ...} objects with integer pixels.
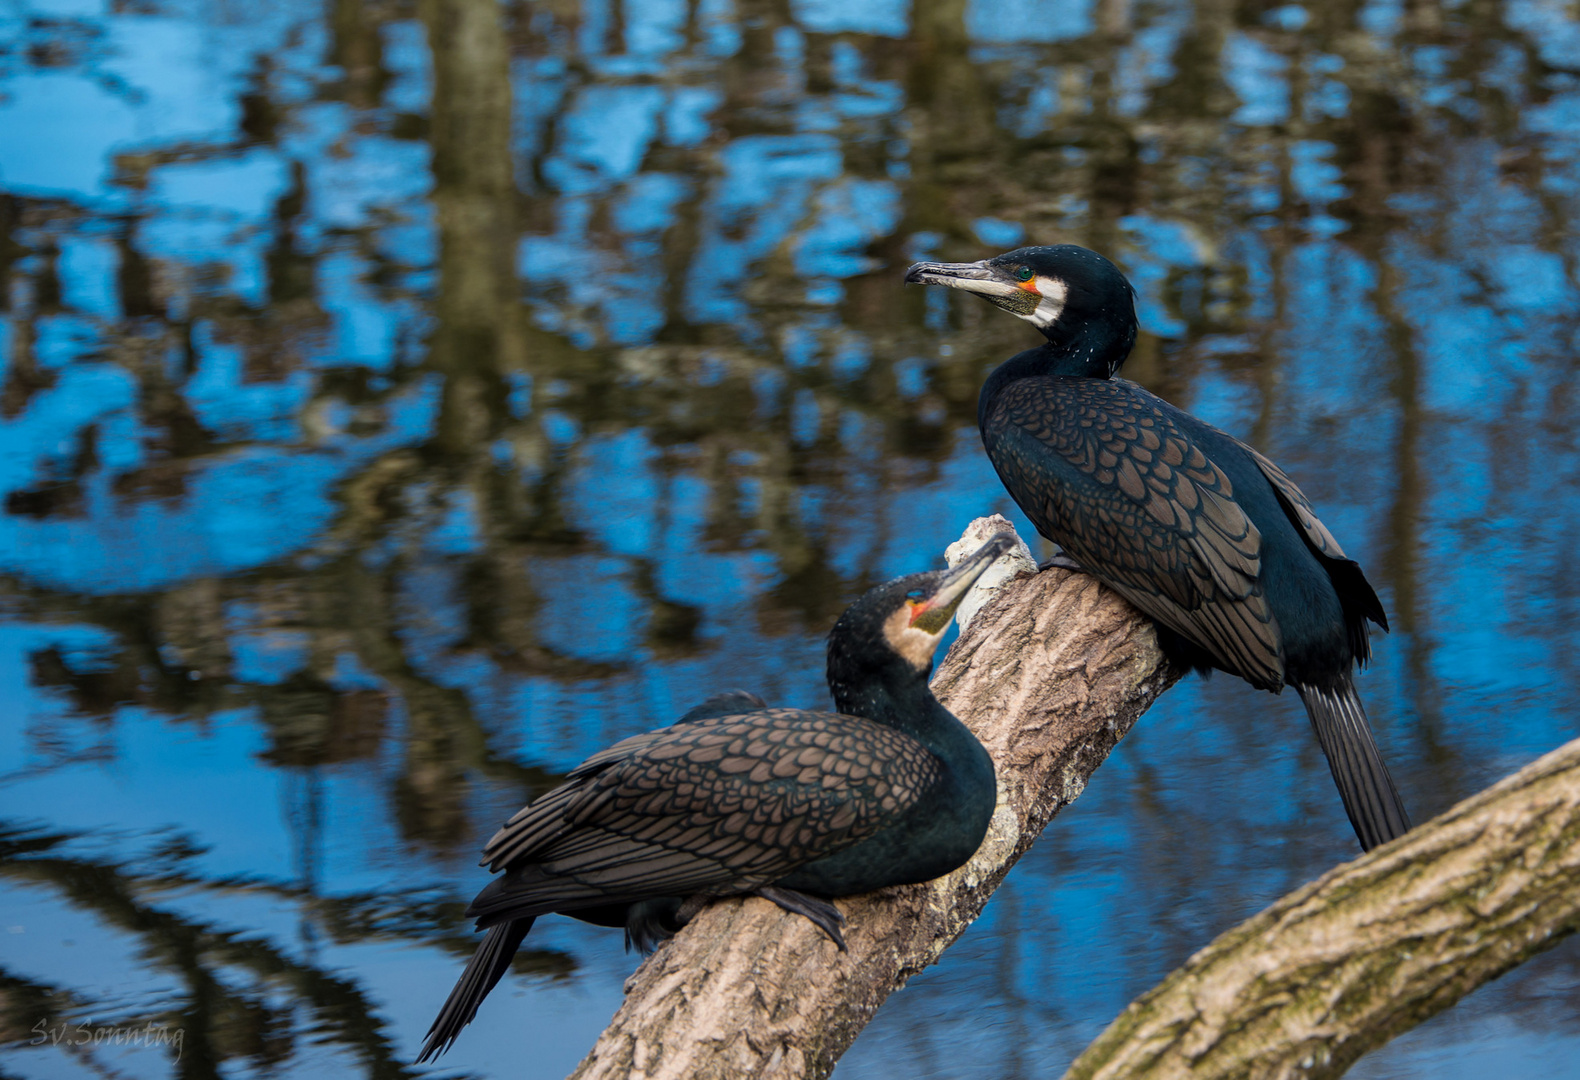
[
  {"x": 1369, "y": 795},
  {"x": 483, "y": 971}
]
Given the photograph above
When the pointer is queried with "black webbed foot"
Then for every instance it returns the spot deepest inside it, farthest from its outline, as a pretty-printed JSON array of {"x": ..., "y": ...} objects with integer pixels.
[
  {"x": 691, "y": 906},
  {"x": 1063, "y": 562},
  {"x": 823, "y": 914},
  {"x": 648, "y": 923}
]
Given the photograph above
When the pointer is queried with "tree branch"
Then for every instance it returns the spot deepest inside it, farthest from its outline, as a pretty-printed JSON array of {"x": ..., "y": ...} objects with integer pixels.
[
  {"x": 1050, "y": 674},
  {"x": 1371, "y": 948}
]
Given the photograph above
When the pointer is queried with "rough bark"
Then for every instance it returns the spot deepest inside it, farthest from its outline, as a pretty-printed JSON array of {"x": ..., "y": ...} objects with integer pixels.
[
  {"x": 1371, "y": 948},
  {"x": 1050, "y": 674}
]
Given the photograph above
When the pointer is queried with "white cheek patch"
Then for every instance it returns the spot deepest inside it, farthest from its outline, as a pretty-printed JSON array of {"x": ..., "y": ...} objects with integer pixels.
[
  {"x": 1051, "y": 306},
  {"x": 916, "y": 646}
]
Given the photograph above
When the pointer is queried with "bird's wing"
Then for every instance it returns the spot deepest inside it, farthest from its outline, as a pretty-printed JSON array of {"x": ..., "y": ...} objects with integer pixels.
[
  {"x": 733, "y": 801},
  {"x": 1113, "y": 479},
  {"x": 1297, "y": 506},
  {"x": 1354, "y": 590},
  {"x": 725, "y": 703}
]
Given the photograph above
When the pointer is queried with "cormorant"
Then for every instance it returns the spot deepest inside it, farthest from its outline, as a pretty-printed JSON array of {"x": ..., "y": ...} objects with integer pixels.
[
  {"x": 737, "y": 798},
  {"x": 1192, "y": 526}
]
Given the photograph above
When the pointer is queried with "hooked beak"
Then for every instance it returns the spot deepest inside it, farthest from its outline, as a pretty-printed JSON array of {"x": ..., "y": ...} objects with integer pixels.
[
  {"x": 984, "y": 279},
  {"x": 934, "y": 613},
  {"x": 977, "y": 277}
]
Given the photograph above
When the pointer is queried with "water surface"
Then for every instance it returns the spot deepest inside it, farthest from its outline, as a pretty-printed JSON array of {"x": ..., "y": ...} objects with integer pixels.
[{"x": 401, "y": 401}]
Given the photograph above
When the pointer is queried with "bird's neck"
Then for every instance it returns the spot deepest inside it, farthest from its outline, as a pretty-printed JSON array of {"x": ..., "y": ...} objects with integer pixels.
[
  {"x": 910, "y": 708},
  {"x": 1088, "y": 348},
  {"x": 1094, "y": 347}
]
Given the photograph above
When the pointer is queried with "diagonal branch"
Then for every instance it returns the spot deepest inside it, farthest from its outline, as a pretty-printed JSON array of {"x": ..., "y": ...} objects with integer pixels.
[
  {"x": 1371, "y": 948},
  {"x": 1050, "y": 674}
]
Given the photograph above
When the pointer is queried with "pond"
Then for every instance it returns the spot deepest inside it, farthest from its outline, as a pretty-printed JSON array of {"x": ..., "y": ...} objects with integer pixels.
[{"x": 402, "y": 400}]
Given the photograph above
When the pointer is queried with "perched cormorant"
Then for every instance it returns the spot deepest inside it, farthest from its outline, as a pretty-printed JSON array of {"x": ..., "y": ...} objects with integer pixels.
[
  {"x": 736, "y": 798},
  {"x": 1192, "y": 526}
]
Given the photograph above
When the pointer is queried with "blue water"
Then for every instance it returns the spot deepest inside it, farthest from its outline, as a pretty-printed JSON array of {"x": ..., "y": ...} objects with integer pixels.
[{"x": 400, "y": 402}]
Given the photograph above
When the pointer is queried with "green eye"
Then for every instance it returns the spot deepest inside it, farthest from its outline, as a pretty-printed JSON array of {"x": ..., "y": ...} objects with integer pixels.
[{"x": 1023, "y": 274}]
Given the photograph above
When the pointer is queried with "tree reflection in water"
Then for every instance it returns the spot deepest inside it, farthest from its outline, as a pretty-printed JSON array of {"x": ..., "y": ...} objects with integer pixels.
[{"x": 403, "y": 400}]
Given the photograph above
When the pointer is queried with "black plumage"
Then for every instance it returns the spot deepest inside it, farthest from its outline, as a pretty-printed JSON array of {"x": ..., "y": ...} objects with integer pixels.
[
  {"x": 1198, "y": 530},
  {"x": 790, "y": 804}
]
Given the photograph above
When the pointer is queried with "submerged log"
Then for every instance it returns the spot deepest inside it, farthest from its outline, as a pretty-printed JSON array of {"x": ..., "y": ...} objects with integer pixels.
[
  {"x": 1371, "y": 948},
  {"x": 1049, "y": 673}
]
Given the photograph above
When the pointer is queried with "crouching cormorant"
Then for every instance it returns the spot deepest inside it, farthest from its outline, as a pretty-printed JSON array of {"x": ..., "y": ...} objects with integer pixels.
[
  {"x": 1192, "y": 526},
  {"x": 792, "y": 805}
]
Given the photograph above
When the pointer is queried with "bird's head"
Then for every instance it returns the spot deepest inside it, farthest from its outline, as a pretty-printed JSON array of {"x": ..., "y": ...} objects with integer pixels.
[
  {"x": 1073, "y": 295},
  {"x": 894, "y": 629}
]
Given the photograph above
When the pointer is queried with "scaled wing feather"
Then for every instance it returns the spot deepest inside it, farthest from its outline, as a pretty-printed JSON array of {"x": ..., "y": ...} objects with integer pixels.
[
  {"x": 1138, "y": 503},
  {"x": 720, "y": 803}
]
